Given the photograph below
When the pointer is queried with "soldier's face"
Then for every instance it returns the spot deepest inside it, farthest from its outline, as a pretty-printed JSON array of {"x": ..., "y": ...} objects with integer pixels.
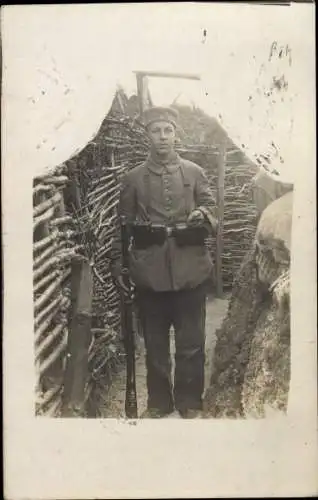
[{"x": 162, "y": 136}]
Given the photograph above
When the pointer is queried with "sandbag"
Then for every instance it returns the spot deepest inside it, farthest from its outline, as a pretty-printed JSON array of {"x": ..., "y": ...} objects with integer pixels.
[
  {"x": 268, "y": 187},
  {"x": 275, "y": 223},
  {"x": 273, "y": 240}
]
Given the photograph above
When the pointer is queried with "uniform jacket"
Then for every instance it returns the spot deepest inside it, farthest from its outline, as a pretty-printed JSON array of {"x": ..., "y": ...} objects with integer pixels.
[{"x": 165, "y": 193}]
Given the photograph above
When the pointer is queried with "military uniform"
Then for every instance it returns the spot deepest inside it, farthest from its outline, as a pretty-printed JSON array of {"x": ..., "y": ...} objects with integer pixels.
[{"x": 170, "y": 280}]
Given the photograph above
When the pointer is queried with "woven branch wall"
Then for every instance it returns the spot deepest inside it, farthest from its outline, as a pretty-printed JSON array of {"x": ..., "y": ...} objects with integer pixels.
[{"x": 53, "y": 251}]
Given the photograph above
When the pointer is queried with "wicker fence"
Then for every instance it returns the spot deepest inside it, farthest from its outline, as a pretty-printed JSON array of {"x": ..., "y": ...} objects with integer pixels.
[{"x": 53, "y": 251}]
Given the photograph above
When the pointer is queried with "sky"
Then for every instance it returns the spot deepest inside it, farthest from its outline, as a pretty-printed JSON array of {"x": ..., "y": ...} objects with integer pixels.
[{"x": 62, "y": 64}]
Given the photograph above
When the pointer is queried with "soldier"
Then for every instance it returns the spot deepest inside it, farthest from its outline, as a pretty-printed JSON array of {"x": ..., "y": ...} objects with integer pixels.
[{"x": 170, "y": 275}]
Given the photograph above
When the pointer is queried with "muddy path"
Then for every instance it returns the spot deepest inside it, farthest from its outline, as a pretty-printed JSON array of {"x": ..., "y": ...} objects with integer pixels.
[{"x": 114, "y": 399}]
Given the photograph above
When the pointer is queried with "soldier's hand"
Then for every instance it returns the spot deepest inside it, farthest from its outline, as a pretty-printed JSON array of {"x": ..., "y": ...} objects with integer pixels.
[
  {"x": 122, "y": 285},
  {"x": 196, "y": 218}
]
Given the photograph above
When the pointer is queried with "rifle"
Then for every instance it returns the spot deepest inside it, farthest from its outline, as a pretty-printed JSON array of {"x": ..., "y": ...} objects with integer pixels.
[{"x": 127, "y": 326}]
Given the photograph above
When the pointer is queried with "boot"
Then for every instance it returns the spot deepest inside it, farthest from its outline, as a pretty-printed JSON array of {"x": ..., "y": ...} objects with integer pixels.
[
  {"x": 154, "y": 413},
  {"x": 190, "y": 413}
]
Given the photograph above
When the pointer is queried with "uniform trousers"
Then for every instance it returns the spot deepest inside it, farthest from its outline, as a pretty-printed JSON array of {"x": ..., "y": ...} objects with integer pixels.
[{"x": 185, "y": 311}]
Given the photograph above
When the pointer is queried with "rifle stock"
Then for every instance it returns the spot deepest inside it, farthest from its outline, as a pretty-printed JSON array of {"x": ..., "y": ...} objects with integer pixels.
[{"x": 131, "y": 409}]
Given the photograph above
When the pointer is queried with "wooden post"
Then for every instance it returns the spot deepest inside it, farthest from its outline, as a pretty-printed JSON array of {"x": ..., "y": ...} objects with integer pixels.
[
  {"x": 149, "y": 98},
  {"x": 220, "y": 205},
  {"x": 139, "y": 79},
  {"x": 79, "y": 339},
  {"x": 143, "y": 92}
]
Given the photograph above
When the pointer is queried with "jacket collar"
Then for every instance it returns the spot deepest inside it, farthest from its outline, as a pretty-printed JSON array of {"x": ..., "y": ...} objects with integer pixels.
[{"x": 158, "y": 166}]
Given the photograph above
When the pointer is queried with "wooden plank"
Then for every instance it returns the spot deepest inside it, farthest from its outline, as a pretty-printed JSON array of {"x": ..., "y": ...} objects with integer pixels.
[
  {"x": 165, "y": 74},
  {"x": 79, "y": 339},
  {"x": 220, "y": 207}
]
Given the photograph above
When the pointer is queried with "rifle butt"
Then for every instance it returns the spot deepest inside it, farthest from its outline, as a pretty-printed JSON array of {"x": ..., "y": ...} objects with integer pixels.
[{"x": 131, "y": 409}]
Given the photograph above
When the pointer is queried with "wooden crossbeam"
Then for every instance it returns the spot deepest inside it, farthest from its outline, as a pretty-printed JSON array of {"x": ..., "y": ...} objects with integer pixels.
[
  {"x": 165, "y": 74},
  {"x": 144, "y": 96}
]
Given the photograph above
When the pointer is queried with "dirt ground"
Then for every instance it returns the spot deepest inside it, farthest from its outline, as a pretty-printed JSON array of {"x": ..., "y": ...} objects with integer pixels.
[{"x": 114, "y": 400}]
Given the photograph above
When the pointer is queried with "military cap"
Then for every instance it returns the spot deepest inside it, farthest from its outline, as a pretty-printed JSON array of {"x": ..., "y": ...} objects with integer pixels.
[{"x": 158, "y": 113}]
